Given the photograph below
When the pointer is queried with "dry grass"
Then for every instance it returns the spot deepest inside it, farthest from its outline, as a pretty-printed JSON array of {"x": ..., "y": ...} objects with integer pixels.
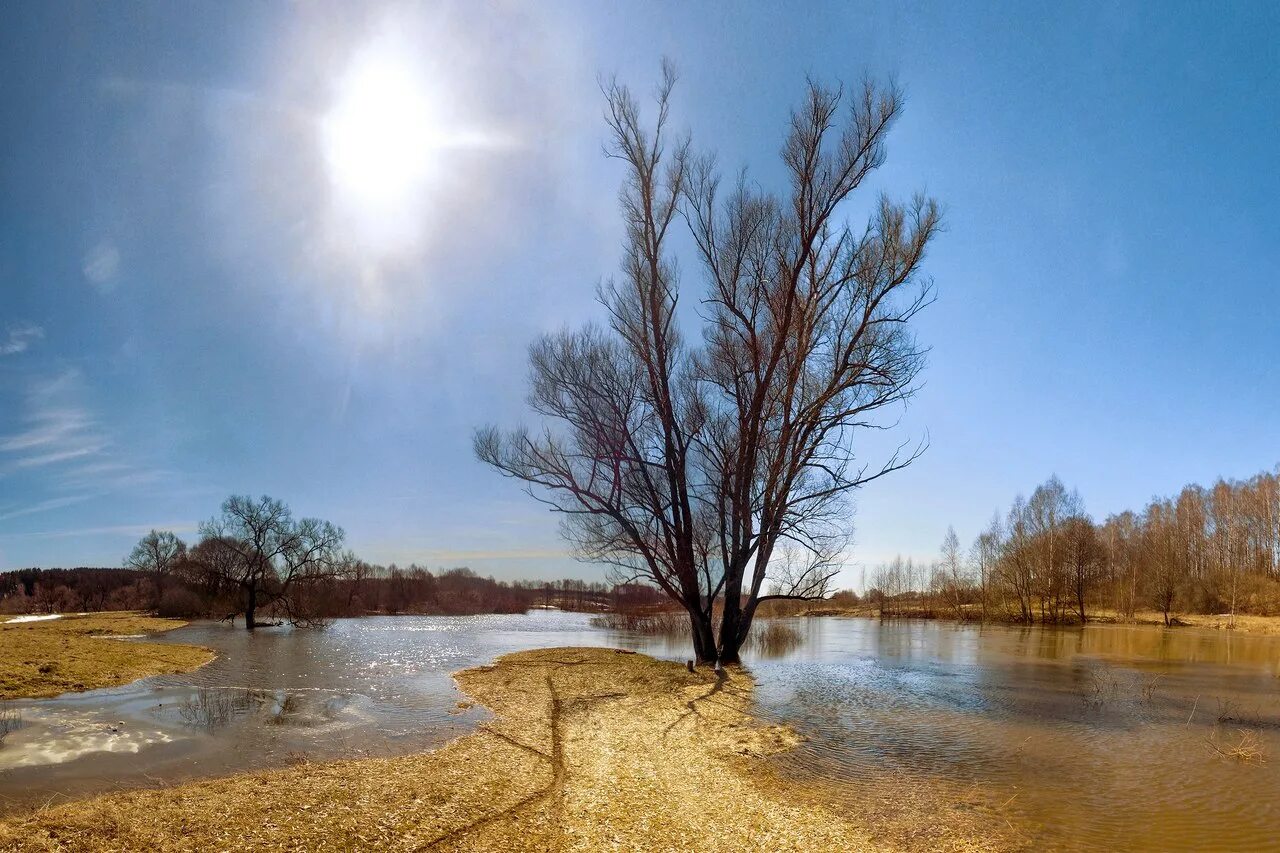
[
  {"x": 768, "y": 636},
  {"x": 1243, "y": 624},
  {"x": 591, "y": 749},
  {"x": 10, "y": 721},
  {"x": 1244, "y": 747},
  {"x": 657, "y": 623},
  {"x": 771, "y": 638},
  {"x": 39, "y": 659}
]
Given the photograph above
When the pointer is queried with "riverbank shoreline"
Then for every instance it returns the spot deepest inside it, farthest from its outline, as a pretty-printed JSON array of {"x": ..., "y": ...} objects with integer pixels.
[
  {"x": 589, "y": 749},
  {"x": 73, "y": 653},
  {"x": 1241, "y": 623}
]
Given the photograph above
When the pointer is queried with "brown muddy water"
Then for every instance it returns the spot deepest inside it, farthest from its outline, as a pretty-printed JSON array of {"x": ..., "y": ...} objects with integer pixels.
[{"x": 1109, "y": 737}]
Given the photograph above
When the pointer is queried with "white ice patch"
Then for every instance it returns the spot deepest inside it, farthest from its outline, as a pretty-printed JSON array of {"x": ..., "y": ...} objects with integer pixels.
[
  {"x": 45, "y": 617},
  {"x": 68, "y": 737}
]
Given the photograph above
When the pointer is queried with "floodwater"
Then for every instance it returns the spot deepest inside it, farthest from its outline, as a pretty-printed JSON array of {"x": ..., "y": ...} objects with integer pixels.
[
  {"x": 1110, "y": 737},
  {"x": 1103, "y": 738}
]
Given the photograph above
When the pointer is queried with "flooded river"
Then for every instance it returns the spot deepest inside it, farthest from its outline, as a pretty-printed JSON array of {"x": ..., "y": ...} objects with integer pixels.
[{"x": 1110, "y": 737}]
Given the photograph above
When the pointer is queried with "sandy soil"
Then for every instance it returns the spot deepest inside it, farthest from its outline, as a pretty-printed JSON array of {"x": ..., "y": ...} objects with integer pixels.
[{"x": 590, "y": 749}]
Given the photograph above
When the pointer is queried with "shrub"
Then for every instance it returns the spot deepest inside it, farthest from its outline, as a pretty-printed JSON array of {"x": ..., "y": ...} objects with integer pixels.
[{"x": 181, "y": 603}]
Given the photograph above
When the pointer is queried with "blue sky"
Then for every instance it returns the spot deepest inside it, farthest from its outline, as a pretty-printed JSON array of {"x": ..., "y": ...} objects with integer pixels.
[{"x": 208, "y": 285}]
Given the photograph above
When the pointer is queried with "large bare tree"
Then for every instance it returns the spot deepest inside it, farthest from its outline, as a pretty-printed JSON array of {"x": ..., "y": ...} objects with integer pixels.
[
  {"x": 257, "y": 547},
  {"x": 711, "y": 468}
]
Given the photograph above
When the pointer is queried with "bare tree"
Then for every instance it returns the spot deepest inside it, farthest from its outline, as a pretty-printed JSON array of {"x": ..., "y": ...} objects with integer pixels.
[
  {"x": 689, "y": 466},
  {"x": 156, "y": 555},
  {"x": 984, "y": 555},
  {"x": 1160, "y": 556},
  {"x": 261, "y": 550},
  {"x": 1017, "y": 560},
  {"x": 954, "y": 573},
  {"x": 1084, "y": 560}
]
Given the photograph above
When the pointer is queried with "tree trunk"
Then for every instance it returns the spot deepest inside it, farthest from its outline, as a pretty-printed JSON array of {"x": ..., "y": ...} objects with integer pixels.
[
  {"x": 704, "y": 642},
  {"x": 730, "y": 648},
  {"x": 733, "y": 625},
  {"x": 251, "y": 602}
]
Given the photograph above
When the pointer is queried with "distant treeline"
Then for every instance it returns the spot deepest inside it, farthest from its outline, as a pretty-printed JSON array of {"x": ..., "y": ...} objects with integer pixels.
[
  {"x": 368, "y": 590},
  {"x": 257, "y": 561},
  {"x": 1208, "y": 550}
]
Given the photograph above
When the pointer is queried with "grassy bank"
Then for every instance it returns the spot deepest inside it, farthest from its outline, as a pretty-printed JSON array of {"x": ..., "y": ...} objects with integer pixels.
[
  {"x": 72, "y": 653},
  {"x": 590, "y": 749},
  {"x": 1245, "y": 624}
]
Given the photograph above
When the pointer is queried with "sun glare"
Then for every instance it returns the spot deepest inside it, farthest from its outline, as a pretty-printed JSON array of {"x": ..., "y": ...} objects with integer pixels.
[{"x": 379, "y": 140}]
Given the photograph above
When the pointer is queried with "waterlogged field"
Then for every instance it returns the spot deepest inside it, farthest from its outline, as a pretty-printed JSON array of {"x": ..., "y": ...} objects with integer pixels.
[{"x": 1108, "y": 737}]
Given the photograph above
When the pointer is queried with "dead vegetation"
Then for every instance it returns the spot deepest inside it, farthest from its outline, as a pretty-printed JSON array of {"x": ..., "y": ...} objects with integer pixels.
[
  {"x": 650, "y": 622},
  {"x": 10, "y": 721},
  {"x": 1244, "y": 746},
  {"x": 1099, "y": 688},
  {"x": 47, "y": 658},
  {"x": 768, "y": 637},
  {"x": 591, "y": 749},
  {"x": 773, "y": 638}
]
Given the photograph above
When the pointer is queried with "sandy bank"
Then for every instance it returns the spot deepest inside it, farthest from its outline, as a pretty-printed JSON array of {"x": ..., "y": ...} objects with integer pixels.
[
  {"x": 590, "y": 749},
  {"x": 53, "y": 656}
]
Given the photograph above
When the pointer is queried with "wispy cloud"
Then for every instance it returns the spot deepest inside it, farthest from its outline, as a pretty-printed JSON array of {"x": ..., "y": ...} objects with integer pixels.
[
  {"x": 57, "y": 427},
  {"x": 109, "y": 530},
  {"x": 19, "y": 337},
  {"x": 445, "y": 555},
  {"x": 62, "y": 443},
  {"x": 101, "y": 266},
  {"x": 42, "y": 506}
]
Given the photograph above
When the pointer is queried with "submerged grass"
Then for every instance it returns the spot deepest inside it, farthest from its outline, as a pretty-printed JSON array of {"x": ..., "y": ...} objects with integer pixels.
[
  {"x": 591, "y": 749},
  {"x": 47, "y": 658},
  {"x": 771, "y": 638},
  {"x": 657, "y": 623},
  {"x": 768, "y": 636}
]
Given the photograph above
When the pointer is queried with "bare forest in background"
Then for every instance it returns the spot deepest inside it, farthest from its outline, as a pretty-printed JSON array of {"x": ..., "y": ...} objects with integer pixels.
[
  {"x": 1209, "y": 550},
  {"x": 256, "y": 561},
  {"x": 373, "y": 590}
]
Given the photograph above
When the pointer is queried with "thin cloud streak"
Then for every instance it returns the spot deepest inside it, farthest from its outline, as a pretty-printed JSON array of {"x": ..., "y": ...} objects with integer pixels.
[
  {"x": 110, "y": 530},
  {"x": 64, "y": 441},
  {"x": 44, "y": 506},
  {"x": 19, "y": 338},
  {"x": 445, "y": 556}
]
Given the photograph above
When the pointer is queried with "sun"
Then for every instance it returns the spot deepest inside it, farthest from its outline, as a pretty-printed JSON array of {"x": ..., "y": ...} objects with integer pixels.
[{"x": 380, "y": 140}]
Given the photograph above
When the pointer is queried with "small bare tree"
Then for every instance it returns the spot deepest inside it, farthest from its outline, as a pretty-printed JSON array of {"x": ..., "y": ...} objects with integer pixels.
[
  {"x": 984, "y": 556},
  {"x": 156, "y": 555},
  {"x": 690, "y": 466},
  {"x": 954, "y": 578},
  {"x": 1085, "y": 558},
  {"x": 1161, "y": 557}
]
